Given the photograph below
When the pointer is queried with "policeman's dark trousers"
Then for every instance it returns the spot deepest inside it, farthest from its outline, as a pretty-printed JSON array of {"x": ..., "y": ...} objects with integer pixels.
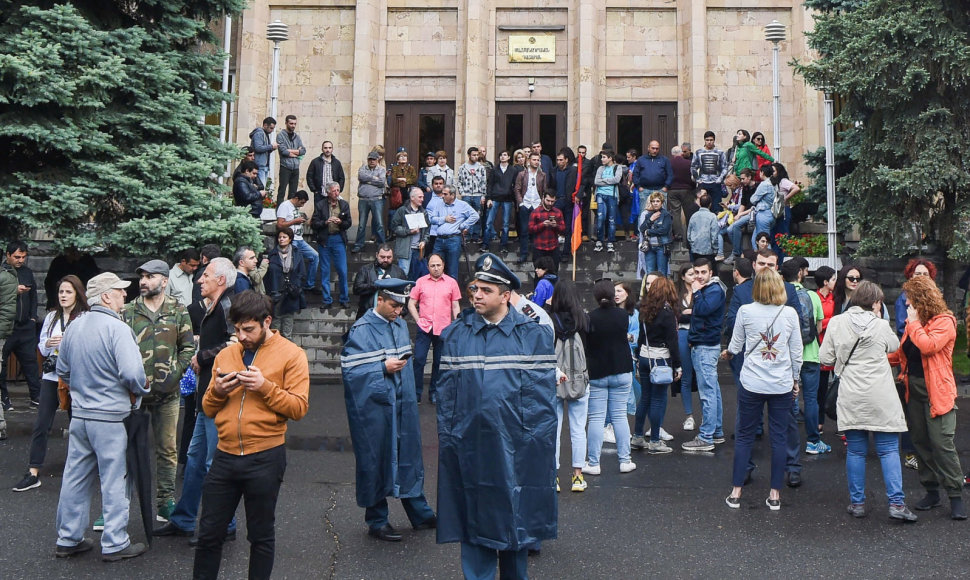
[
  {"x": 416, "y": 508},
  {"x": 256, "y": 479},
  {"x": 478, "y": 563}
]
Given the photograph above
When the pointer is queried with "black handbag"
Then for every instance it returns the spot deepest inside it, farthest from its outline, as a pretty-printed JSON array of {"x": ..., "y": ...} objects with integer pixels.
[{"x": 832, "y": 397}]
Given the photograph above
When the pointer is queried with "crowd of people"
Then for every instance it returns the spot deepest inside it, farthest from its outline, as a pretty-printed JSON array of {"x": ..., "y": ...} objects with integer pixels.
[{"x": 208, "y": 332}]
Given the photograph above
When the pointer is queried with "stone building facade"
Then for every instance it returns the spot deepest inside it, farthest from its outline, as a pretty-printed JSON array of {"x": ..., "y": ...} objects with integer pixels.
[{"x": 437, "y": 73}]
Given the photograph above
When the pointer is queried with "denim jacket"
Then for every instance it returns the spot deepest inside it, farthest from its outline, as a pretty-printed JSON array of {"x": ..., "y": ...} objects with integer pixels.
[{"x": 659, "y": 229}]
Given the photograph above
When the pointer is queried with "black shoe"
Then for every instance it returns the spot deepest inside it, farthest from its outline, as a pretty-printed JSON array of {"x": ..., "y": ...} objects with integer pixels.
[
  {"x": 793, "y": 479},
  {"x": 132, "y": 551},
  {"x": 534, "y": 552},
  {"x": 929, "y": 501},
  {"x": 428, "y": 524},
  {"x": 386, "y": 533},
  {"x": 957, "y": 511},
  {"x": 313, "y": 290},
  {"x": 65, "y": 551},
  {"x": 170, "y": 529},
  {"x": 29, "y": 481},
  {"x": 230, "y": 537},
  {"x": 34, "y": 403},
  {"x": 345, "y": 304},
  {"x": 7, "y": 406}
]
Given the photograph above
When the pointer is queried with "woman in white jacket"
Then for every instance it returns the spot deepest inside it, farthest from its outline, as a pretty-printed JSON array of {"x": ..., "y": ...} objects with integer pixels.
[
  {"x": 71, "y": 303},
  {"x": 857, "y": 343}
]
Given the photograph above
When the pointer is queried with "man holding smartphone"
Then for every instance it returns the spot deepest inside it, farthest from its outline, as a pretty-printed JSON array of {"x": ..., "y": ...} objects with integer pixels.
[
  {"x": 382, "y": 410},
  {"x": 259, "y": 380},
  {"x": 546, "y": 224}
]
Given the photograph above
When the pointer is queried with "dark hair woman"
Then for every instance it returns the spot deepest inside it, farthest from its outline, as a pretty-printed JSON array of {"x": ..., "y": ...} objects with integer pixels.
[
  {"x": 623, "y": 296},
  {"x": 684, "y": 307},
  {"x": 71, "y": 303},
  {"x": 658, "y": 346},
  {"x": 925, "y": 359},
  {"x": 610, "y": 377},
  {"x": 569, "y": 320},
  {"x": 284, "y": 282}
]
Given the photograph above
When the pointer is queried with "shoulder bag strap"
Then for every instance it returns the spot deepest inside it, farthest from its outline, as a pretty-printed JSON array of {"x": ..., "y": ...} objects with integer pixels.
[
  {"x": 768, "y": 330},
  {"x": 646, "y": 342}
]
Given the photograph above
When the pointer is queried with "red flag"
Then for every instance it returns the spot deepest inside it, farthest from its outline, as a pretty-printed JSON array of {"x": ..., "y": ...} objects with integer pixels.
[{"x": 577, "y": 237}]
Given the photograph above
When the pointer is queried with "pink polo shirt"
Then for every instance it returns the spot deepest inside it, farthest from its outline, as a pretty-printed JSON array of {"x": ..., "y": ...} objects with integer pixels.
[{"x": 434, "y": 302}]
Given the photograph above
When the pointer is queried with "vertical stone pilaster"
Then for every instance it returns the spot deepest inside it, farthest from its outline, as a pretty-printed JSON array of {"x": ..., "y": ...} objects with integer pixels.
[
  {"x": 475, "y": 76},
  {"x": 368, "y": 99},
  {"x": 692, "y": 107},
  {"x": 588, "y": 75}
]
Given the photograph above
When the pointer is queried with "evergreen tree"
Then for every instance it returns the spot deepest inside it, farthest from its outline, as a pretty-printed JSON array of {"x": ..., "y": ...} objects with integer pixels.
[
  {"x": 100, "y": 109},
  {"x": 903, "y": 69}
]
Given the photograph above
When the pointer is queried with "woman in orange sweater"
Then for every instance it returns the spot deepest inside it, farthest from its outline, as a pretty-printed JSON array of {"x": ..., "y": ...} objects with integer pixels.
[{"x": 925, "y": 358}]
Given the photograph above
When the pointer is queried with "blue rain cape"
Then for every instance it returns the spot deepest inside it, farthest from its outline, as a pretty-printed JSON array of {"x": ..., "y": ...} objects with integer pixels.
[
  {"x": 497, "y": 433},
  {"x": 382, "y": 410}
]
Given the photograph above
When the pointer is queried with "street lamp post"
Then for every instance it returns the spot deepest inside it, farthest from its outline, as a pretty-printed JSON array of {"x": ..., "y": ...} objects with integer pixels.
[
  {"x": 775, "y": 33},
  {"x": 830, "y": 179},
  {"x": 276, "y": 32}
]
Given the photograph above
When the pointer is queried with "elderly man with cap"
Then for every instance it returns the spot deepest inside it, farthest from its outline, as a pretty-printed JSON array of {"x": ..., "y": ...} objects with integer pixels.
[
  {"x": 99, "y": 358},
  {"x": 496, "y": 430},
  {"x": 163, "y": 331},
  {"x": 382, "y": 410}
]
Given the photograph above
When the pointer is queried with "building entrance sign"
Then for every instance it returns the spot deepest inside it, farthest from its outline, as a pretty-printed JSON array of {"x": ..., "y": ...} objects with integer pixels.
[{"x": 532, "y": 48}]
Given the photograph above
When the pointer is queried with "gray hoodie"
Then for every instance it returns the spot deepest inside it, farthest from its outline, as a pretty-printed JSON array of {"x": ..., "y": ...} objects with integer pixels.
[
  {"x": 100, "y": 360},
  {"x": 372, "y": 182}
]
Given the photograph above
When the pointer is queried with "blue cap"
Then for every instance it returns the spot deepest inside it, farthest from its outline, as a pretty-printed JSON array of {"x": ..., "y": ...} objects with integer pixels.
[
  {"x": 491, "y": 268},
  {"x": 394, "y": 288}
]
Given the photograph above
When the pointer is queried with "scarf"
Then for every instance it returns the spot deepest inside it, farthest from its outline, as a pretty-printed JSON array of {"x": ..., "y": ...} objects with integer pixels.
[{"x": 286, "y": 257}]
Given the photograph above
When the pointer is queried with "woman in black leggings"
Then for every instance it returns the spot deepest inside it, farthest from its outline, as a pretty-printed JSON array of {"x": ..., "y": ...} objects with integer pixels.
[{"x": 71, "y": 302}]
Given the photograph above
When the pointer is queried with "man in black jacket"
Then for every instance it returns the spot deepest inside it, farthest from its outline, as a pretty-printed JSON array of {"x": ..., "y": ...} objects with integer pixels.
[
  {"x": 22, "y": 342},
  {"x": 324, "y": 169},
  {"x": 331, "y": 220},
  {"x": 383, "y": 267},
  {"x": 244, "y": 190}
]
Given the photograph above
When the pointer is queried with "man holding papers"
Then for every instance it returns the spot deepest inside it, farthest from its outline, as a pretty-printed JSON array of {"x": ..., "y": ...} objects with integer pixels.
[{"x": 410, "y": 227}]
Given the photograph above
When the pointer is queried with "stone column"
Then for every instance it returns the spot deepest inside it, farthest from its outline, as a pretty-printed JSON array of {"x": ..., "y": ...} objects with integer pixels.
[
  {"x": 692, "y": 88},
  {"x": 367, "y": 128},
  {"x": 475, "y": 76},
  {"x": 587, "y": 114}
]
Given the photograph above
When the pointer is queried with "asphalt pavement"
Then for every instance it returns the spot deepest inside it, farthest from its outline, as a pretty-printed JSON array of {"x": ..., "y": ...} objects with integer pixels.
[{"x": 667, "y": 519}]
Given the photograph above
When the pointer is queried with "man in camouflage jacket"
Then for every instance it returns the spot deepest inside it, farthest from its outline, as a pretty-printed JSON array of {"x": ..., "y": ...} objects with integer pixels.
[{"x": 163, "y": 331}]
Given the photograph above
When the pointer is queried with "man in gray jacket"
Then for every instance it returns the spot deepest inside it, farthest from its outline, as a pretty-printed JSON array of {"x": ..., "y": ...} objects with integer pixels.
[
  {"x": 703, "y": 231},
  {"x": 259, "y": 140},
  {"x": 370, "y": 194},
  {"x": 291, "y": 150},
  {"x": 100, "y": 360},
  {"x": 8, "y": 311}
]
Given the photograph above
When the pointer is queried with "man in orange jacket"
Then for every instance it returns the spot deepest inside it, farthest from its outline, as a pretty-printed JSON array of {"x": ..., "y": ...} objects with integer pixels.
[{"x": 260, "y": 379}]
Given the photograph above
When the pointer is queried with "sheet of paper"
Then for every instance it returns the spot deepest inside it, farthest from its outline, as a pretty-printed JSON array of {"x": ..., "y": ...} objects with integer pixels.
[{"x": 415, "y": 221}]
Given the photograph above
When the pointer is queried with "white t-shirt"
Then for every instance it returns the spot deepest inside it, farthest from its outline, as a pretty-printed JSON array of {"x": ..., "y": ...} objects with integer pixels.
[
  {"x": 531, "y": 198},
  {"x": 288, "y": 211}
]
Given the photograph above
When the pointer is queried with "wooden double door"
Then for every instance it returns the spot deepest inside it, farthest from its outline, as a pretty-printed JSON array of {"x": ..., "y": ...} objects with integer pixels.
[
  {"x": 518, "y": 124},
  {"x": 634, "y": 125},
  {"x": 419, "y": 128}
]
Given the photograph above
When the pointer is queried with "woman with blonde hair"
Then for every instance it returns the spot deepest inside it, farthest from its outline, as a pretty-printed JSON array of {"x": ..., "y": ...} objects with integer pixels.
[
  {"x": 925, "y": 359},
  {"x": 857, "y": 343},
  {"x": 767, "y": 332}
]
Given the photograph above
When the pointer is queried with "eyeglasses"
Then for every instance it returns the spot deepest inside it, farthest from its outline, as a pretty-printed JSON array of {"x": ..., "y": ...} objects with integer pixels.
[{"x": 853, "y": 278}]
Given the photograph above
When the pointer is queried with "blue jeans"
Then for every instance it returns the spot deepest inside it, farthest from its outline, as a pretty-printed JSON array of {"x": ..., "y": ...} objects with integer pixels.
[
  {"x": 704, "y": 359},
  {"x": 374, "y": 207},
  {"x": 578, "y": 410},
  {"x": 887, "y": 448},
  {"x": 404, "y": 264},
  {"x": 794, "y": 445},
  {"x": 608, "y": 395},
  {"x": 523, "y": 233},
  {"x": 333, "y": 253},
  {"x": 478, "y": 563},
  {"x": 763, "y": 222},
  {"x": 606, "y": 218},
  {"x": 749, "y": 418},
  {"x": 311, "y": 255},
  {"x": 782, "y": 226},
  {"x": 734, "y": 232},
  {"x": 423, "y": 341},
  {"x": 450, "y": 250},
  {"x": 202, "y": 448},
  {"x": 475, "y": 230},
  {"x": 506, "y": 207},
  {"x": 809, "y": 378},
  {"x": 656, "y": 259},
  {"x": 262, "y": 172},
  {"x": 653, "y": 401},
  {"x": 687, "y": 372}
]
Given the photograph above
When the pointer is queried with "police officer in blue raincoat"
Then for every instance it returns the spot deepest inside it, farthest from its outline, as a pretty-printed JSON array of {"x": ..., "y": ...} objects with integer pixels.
[
  {"x": 382, "y": 410},
  {"x": 496, "y": 430}
]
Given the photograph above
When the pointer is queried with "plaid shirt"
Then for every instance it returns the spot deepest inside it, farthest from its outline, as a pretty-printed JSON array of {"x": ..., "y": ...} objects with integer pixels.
[{"x": 544, "y": 237}]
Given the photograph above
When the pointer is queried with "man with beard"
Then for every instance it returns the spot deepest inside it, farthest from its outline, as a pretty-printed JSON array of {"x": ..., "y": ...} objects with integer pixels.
[
  {"x": 259, "y": 383},
  {"x": 163, "y": 331}
]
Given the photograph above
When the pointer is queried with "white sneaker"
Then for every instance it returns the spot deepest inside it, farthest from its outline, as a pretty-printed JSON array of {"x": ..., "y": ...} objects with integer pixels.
[
  {"x": 689, "y": 424},
  {"x": 598, "y": 247},
  {"x": 591, "y": 469},
  {"x": 627, "y": 467},
  {"x": 609, "y": 247},
  {"x": 719, "y": 258},
  {"x": 664, "y": 436},
  {"x": 608, "y": 435}
]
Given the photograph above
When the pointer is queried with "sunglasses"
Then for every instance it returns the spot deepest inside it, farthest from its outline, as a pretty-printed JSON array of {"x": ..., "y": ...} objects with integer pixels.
[{"x": 854, "y": 278}]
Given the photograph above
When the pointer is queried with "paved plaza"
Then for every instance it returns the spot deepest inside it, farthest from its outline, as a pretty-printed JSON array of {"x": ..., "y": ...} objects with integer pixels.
[{"x": 667, "y": 519}]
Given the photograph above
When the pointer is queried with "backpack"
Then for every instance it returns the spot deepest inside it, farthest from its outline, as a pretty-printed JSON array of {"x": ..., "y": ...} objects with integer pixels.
[
  {"x": 807, "y": 320},
  {"x": 778, "y": 205},
  {"x": 571, "y": 360}
]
